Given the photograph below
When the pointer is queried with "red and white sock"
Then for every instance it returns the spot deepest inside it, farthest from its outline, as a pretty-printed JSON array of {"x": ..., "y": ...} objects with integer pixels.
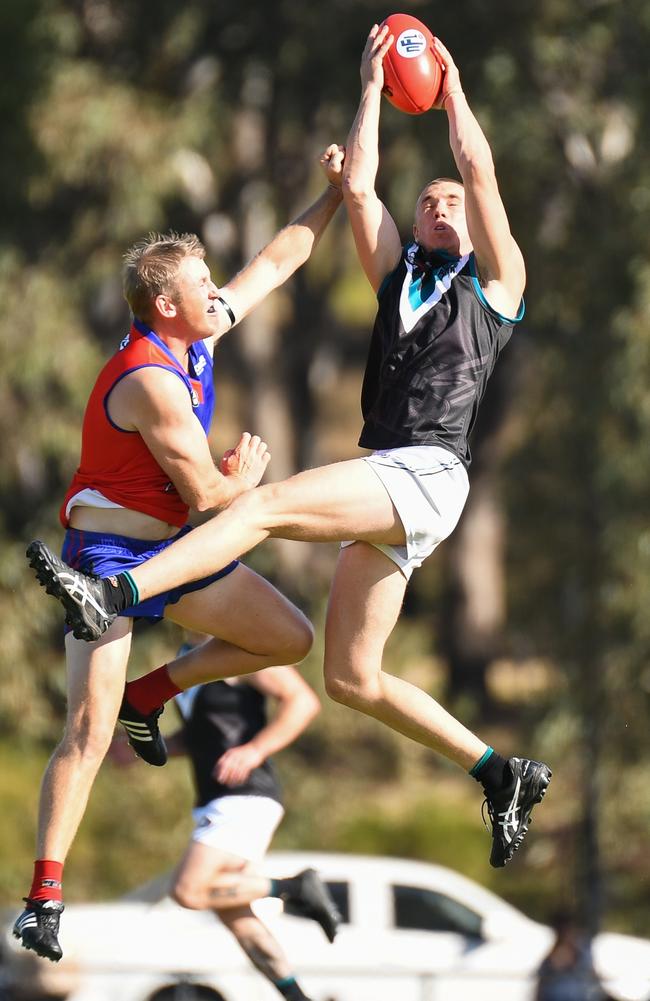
[{"x": 47, "y": 883}]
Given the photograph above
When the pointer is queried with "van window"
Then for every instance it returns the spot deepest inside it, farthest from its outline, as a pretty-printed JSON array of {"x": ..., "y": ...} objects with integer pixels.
[
  {"x": 417, "y": 907},
  {"x": 341, "y": 893}
]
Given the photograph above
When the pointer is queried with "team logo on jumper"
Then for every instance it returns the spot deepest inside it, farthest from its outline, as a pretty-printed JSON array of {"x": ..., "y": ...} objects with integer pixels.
[
  {"x": 411, "y": 44},
  {"x": 194, "y": 397},
  {"x": 421, "y": 293}
]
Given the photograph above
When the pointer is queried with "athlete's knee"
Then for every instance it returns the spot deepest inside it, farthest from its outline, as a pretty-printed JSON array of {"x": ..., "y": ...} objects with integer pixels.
[
  {"x": 268, "y": 509},
  {"x": 288, "y": 636},
  {"x": 352, "y": 689},
  {"x": 339, "y": 689},
  {"x": 254, "y": 507},
  {"x": 87, "y": 737},
  {"x": 299, "y": 638}
]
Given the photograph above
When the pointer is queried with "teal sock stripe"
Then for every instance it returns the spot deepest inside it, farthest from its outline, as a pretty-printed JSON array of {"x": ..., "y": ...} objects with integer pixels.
[
  {"x": 285, "y": 982},
  {"x": 475, "y": 769},
  {"x": 134, "y": 587}
]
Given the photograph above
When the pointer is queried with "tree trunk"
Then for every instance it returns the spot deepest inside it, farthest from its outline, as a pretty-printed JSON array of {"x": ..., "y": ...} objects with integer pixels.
[{"x": 268, "y": 411}]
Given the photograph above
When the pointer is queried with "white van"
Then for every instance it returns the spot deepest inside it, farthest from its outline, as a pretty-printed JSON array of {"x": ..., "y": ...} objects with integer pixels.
[{"x": 411, "y": 932}]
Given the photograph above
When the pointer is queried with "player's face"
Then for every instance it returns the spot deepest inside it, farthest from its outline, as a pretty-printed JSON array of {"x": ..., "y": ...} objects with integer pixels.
[
  {"x": 440, "y": 222},
  {"x": 195, "y": 298}
]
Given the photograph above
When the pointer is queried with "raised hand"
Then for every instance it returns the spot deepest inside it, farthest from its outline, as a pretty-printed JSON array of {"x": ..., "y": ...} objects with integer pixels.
[
  {"x": 450, "y": 78},
  {"x": 331, "y": 160},
  {"x": 372, "y": 58}
]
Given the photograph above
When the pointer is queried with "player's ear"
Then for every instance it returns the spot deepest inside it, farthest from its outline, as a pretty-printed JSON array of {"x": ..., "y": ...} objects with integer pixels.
[
  {"x": 415, "y": 233},
  {"x": 165, "y": 306}
]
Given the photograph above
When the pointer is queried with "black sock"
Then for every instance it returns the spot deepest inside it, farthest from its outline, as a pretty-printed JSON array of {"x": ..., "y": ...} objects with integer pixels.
[
  {"x": 290, "y": 989},
  {"x": 120, "y": 592},
  {"x": 492, "y": 771}
]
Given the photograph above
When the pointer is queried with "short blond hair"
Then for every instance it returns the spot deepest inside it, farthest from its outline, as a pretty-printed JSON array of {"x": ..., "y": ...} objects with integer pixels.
[
  {"x": 440, "y": 180},
  {"x": 151, "y": 268}
]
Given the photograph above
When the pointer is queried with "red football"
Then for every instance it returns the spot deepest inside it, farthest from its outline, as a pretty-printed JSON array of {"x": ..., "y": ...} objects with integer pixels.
[{"x": 412, "y": 70}]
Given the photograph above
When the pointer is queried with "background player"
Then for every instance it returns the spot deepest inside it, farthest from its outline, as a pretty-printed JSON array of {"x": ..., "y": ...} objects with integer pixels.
[{"x": 229, "y": 741}]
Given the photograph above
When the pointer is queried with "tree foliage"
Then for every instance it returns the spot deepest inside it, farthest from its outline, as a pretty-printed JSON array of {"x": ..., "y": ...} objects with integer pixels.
[{"x": 117, "y": 118}]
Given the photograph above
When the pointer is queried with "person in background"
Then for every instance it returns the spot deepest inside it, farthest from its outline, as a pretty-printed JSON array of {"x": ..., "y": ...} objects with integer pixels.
[
  {"x": 229, "y": 739},
  {"x": 567, "y": 973}
]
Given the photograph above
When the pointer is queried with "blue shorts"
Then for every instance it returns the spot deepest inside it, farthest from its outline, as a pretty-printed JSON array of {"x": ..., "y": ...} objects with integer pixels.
[{"x": 94, "y": 552}]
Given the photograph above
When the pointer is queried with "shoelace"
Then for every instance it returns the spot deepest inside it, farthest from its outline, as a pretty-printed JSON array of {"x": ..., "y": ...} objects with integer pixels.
[
  {"x": 490, "y": 812},
  {"x": 494, "y": 816}
]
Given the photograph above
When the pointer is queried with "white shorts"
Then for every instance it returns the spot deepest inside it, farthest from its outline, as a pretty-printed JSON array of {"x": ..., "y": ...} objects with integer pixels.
[
  {"x": 428, "y": 486},
  {"x": 239, "y": 825}
]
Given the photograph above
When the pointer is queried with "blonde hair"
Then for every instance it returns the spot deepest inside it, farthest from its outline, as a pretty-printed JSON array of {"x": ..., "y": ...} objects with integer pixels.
[{"x": 151, "y": 268}]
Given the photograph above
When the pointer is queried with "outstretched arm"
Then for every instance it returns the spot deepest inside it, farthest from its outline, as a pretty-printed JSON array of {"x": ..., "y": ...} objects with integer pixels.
[
  {"x": 297, "y": 706},
  {"x": 375, "y": 233},
  {"x": 499, "y": 259},
  {"x": 286, "y": 252}
]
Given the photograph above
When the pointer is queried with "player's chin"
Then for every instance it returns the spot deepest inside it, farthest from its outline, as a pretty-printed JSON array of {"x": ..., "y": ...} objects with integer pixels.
[
  {"x": 430, "y": 246},
  {"x": 211, "y": 325},
  {"x": 444, "y": 239}
]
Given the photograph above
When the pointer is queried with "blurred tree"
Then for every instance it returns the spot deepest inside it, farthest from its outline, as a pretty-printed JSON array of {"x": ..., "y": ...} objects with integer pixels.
[
  {"x": 579, "y": 480},
  {"x": 118, "y": 118}
]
